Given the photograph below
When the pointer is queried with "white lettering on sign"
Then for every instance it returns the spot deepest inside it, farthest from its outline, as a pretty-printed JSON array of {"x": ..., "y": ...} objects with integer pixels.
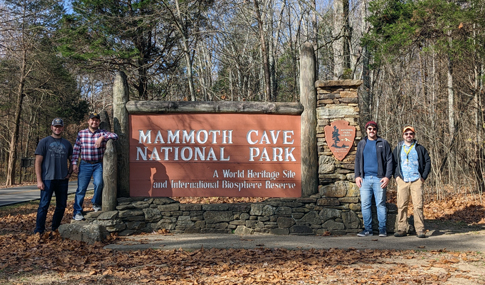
[
  {"x": 233, "y": 174},
  {"x": 241, "y": 185},
  {"x": 287, "y": 137},
  {"x": 282, "y": 185},
  {"x": 188, "y": 137},
  {"x": 142, "y": 153},
  {"x": 198, "y": 184},
  {"x": 249, "y": 174},
  {"x": 277, "y": 154},
  {"x": 227, "y": 136},
  {"x": 173, "y": 136},
  {"x": 159, "y": 138},
  {"x": 142, "y": 137},
  {"x": 202, "y": 136},
  {"x": 185, "y": 153},
  {"x": 289, "y": 174},
  {"x": 263, "y": 174},
  {"x": 252, "y": 137},
  {"x": 248, "y": 137},
  {"x": 160, "y": 185}
]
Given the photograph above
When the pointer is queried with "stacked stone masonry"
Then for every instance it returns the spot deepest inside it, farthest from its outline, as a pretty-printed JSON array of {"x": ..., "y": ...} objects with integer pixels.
[
  {"x": 336, "y": 100},
  {"x": 316, "y": 215}
]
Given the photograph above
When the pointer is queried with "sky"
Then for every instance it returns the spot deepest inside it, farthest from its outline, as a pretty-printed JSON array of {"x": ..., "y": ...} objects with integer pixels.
[{"x": 68, "y": 6}]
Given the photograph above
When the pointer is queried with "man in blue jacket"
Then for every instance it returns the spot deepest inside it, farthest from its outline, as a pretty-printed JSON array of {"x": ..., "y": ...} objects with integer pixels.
[
  {"x": 413, "y": 165},
  {"x": 373, "y": 169}
]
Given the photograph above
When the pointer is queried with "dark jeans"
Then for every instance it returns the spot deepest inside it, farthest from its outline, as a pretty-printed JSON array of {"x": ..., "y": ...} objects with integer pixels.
[{"x": 59, "y": 187}]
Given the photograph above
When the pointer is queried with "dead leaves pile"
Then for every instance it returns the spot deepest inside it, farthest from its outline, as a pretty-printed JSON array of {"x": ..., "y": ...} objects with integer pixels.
[
  {"x": 24, "y": 257},
  {"x": 458, "y": 208}
]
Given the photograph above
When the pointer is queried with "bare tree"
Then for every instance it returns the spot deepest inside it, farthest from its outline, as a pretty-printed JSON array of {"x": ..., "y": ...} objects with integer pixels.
[{"x": 342, "y": 39}]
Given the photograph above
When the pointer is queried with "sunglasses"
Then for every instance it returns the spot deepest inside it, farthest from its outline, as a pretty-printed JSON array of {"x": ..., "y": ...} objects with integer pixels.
[
  {"x": 372, "y": 129},
  {"x": 409, "y": 134}
]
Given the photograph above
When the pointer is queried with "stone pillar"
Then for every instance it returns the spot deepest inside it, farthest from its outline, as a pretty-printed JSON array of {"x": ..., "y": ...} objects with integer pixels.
[
  {"x": 110, "y": 177},
  {"x": 337, "y": 100},
  {"x": 309, "y": 157},
  {"x": 105, "y": 124},
  {"x": 120, "y": 121}
]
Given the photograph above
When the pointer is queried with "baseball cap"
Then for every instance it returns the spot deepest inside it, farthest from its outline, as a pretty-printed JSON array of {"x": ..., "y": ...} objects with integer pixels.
[
  {"x": 58, "y": 122},
  {"x": 408, "y": 128},
  {"x": 94, "y": 115}
]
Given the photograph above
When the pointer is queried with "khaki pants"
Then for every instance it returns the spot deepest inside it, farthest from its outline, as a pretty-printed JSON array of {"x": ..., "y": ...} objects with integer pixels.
[{"x": 404, "y": 189}]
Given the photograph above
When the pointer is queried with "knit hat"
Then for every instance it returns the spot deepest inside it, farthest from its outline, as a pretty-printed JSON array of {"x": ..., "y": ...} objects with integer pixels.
[{"x": 371, "y": 123}]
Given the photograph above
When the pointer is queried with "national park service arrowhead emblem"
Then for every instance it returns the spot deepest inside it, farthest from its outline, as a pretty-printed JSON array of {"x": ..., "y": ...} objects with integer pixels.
[{"x": 340, "y": 138}]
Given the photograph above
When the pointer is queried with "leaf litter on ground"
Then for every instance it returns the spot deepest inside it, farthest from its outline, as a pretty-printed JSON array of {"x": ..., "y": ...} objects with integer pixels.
[{"x": 49, "y": 259}]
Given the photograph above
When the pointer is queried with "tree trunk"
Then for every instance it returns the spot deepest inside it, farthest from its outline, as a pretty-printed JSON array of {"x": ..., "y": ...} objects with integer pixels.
[
  {"x": 142, "y": 81},
  {"x": 341, "y": 39},
  {"x": 190, "y": 75},
  {"x": 451, "y": 122},
  {"x": 110, "y": 175},
  {"x": 120, "y": 127},
  {"x": 12, "y": 154},
  {"x": 274, "y": 54},
  {"x": 366, "y": 89},
  {"x": 338, "y": 42},
  {"x": 346, "y": 40},
  {"x": 185, "y": 41},
  {"x": 315, "y": 35},
  {"x": 264, "y": 52},
  {"x": 308, "y": 98}
]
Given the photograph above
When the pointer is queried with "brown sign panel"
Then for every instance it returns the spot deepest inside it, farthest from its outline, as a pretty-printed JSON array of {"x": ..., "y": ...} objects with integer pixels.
[
  {"x": 215, "y": 155},
  {"x": 340, "y": 138}
]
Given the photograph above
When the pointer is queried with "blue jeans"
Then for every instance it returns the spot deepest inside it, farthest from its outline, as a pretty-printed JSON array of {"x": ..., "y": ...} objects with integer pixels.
[
  {"x": 86, "y": 171},
  {"x": 371, "y": 186},
  {"x": 59, "y": 187}
]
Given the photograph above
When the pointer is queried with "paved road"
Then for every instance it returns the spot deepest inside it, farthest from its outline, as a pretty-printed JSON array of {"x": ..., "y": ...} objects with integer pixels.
[{"x": 20, "y": 194}]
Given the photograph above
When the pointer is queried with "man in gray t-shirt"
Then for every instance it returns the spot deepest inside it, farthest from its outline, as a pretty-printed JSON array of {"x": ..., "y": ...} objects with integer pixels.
[{"x": 52, "y": 157}]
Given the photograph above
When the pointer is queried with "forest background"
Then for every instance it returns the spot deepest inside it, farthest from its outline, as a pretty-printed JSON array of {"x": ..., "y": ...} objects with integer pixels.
[{"x": 421, "y": 63}]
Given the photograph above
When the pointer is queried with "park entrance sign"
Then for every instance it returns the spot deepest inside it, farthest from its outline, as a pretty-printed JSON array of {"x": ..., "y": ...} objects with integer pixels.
[
  {"x": 237, "y": 148},
  {"x": 208, "y": 155}
]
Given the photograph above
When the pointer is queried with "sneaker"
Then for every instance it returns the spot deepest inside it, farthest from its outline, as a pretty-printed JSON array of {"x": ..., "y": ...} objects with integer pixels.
[
  {"x": 421, "y": 235},
  {"x": 365, "y": 234},
  {"x": 400, "y": 234},
  {"x": 96, "y": 208},
  {"x": 382, "y": 233},
  {"x": 78, "y": 217}
]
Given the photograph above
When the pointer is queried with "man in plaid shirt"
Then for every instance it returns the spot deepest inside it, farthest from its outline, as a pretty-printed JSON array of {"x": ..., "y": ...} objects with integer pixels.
[{"x": 90, "y": 146}]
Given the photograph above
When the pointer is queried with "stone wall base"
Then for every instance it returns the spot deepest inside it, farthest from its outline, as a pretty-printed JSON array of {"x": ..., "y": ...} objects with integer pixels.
[{"x": 277, "y": 216}]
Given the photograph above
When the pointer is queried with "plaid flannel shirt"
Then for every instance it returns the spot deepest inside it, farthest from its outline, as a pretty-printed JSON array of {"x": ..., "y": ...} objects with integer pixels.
[{"x": 84, "y": 145}]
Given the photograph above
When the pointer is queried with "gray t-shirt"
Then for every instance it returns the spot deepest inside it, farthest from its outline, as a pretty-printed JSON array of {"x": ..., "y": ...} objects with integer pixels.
[{"x": 56, "y": 153}]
